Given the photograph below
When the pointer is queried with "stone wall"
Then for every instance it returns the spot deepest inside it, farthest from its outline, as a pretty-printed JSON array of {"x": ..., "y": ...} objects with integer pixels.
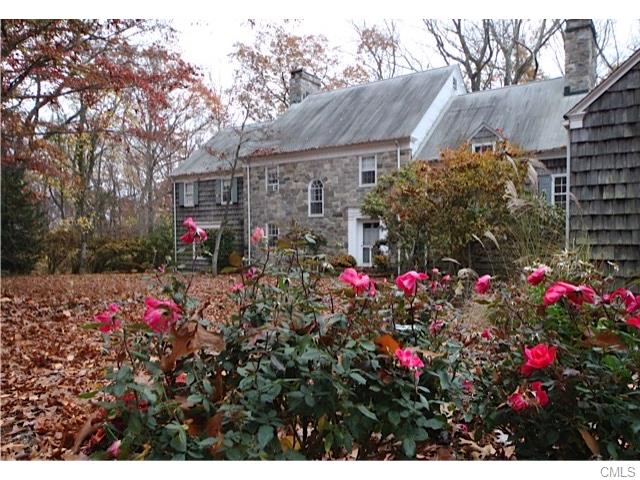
[{"x": 340, "y": 177}]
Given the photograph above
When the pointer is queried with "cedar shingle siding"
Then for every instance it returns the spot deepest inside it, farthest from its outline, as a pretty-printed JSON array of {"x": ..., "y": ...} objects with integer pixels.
[
  {"x": 208, "y": 211},
  {"x": 605, "y": 177}
]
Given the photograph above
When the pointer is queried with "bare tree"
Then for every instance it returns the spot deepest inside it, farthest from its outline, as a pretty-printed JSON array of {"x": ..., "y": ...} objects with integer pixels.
[
  {"x": 494, "y": 52},
  {"x": 468, "y": 43},
  {"x": 520, "y": 43}
]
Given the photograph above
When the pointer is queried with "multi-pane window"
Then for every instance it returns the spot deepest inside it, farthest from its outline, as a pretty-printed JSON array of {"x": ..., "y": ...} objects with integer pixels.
[
  {"x": 560, "y": 190},
  {"x": 316, "y": 199},
  {"x": 370, "y": 235},
  {"x": 225, "y": 185},
  {"x": 368, "y": 168},
  {"x": 188, "y": 195},
  {"x": 272, "y": 234},
  {"x": 273, "y": 179},
  {"x": 483, "y": 147}
]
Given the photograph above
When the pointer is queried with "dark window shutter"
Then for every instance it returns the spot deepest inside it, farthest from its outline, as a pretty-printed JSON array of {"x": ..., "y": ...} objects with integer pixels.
[
  {"x": 217, "y": 191},
  {"x": 195, "y": 192},
  {"x": 180, "y": 187},
  {"x": 545, "y": 187},
  {"x": 234, "y": 190}
]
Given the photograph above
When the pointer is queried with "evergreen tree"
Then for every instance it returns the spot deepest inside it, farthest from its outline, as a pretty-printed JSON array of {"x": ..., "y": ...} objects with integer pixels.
[{"x": 23, "y": 222}]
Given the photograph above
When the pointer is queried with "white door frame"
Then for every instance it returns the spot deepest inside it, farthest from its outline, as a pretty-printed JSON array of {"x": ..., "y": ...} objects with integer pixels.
[{"x": 355, "y": 219}]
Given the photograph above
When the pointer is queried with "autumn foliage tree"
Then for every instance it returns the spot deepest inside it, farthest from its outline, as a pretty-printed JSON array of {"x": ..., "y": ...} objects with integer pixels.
[
  {"x": 436, "y": 210},
  {"x": 262, "y": 67},
  {"x": 86, "y": 103}
]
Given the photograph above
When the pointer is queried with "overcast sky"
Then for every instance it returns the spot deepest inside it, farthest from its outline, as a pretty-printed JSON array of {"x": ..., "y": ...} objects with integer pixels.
[{"x": 208, "y": 43}]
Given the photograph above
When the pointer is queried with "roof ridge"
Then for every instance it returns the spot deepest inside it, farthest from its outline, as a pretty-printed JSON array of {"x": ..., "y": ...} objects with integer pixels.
[
  {"x": 504, "y": 87},
  {"x": 361, "y": 85}
]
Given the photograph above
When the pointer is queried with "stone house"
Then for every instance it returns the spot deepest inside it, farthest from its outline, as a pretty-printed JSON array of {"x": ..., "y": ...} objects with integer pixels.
[{"x": 315, "y": 163}]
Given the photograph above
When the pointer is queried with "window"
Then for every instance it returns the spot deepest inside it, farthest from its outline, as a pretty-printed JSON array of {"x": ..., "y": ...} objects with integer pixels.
[
  {"x": 370, "y": 235},
  {"x": 272, "y": 178},
  {"x": 188, "y": 195},
  {"x": 225, "y": 194},
  {"x": 316, "y": 199},
  {"x": 483, "y": 147},
  {"x": 272, "y": 234},
  {"x": 559, "y": 190},
  {"x": 368, "y": 170}
]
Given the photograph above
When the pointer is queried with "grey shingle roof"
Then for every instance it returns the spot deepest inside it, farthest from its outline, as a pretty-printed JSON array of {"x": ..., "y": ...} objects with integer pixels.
[
  {"x": 384, "y": 110},
  {"x": 529, "y": 115},
  {"x": 218, "y": 153}
]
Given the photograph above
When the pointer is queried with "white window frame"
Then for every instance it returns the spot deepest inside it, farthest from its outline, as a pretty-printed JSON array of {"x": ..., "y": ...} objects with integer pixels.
[
  {"x": 476, "y": 146},
  {"x": 553, "y": 188},
  {"x": 271, "y": 187},
  {"x": 375, "y": 170},
  {"x": 268, "y": 233},
  {"x": 222, "y": 182},
  {"x": 189, "y": 200},
  {"x": 370, "y": 247},
  {"x": 309, "y": 198}
]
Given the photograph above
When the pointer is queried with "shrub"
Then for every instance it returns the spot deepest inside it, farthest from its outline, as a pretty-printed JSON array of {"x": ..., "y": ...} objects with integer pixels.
[
  {"x": 343, "y": 260},
  {"x": 23, "y": 222},
  {"x": 309, "y": 369},
  {"x": 121, "y": 255},
  {"x": 441, "y": 210},
  {"x": 593, "y": 383},
  {"x": 57, "y": 258}
]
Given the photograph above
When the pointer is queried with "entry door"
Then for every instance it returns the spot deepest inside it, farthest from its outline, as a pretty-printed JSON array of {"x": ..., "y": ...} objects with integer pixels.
[{"x": 370, "y": 235}]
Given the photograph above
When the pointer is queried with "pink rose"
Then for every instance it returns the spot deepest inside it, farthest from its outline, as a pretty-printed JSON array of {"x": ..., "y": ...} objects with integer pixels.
[
  {"x": 517, "y": 402},
  {"x": 633, "y": 321},
  {"x": 160, "y": 315},
  {"x": 358, "y": 281},
  {"x": 467, "y": 386},
  {"x": 538, "y": 275},
  {"x": 108, "y": 319},
  {"x": 577, "y": 295},
  {"x": 537, "y": 358},
  {"x": 408, "y": 282},
  {"x": 410, "y": 361},
  {"x": 182, "y": 378},
  {"x": 251, "y": 273},
  {"x": 486, "y": 334},
  {"x": 237, "y": 288},
  {"x": 541, "y": 396},
  {"x": 435, "y": 326},
  {"x": 257, "y": 235},
  {"x": 194, "y": 233},
  {"x": 631, "y": 302},
  {"x": 483, "y": 284},
  {"x": 114, "y": 449},
  {"x": 446, "y": 278}
]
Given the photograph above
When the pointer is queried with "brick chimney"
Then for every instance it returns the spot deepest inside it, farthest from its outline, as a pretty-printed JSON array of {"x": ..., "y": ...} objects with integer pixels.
[
  {"x": 579, "y": 56},
  {"x": 302, "y": 84}
]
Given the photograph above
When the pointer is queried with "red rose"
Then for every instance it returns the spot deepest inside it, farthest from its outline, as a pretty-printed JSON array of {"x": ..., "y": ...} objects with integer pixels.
[{"x": 538, "y": 357}]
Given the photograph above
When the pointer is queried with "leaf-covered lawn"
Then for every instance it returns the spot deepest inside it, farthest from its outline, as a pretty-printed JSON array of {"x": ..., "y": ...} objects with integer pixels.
[{"x": 48, "y": 359}]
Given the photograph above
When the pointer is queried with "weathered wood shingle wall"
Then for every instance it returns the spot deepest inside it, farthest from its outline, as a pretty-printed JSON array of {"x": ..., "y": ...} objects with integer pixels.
[
  {"x": 605, "y": 177},
  {"x": 208, "y": 212}
]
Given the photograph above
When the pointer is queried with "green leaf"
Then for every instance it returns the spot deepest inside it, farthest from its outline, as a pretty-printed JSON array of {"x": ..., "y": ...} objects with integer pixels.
[
  {"x": 358, "y": 378},
  {"x": 367, "y": 413},
  {"x": 265, "y": 435},
  {"x": 409, "y": 447},
  {"x": 394, "y": 417},
  {"x": 87, "y": 395},
  {"x": 434, "y": 423}
]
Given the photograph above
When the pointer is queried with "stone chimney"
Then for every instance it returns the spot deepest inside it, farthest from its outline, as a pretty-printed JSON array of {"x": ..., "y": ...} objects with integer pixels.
[
  {"x": 302, "y": 84},
  {"x": 579, "y": 56}
]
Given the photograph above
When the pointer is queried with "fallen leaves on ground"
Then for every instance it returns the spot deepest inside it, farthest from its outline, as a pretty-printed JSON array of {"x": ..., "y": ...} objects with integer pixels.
[{"x": 49, "y": 359}]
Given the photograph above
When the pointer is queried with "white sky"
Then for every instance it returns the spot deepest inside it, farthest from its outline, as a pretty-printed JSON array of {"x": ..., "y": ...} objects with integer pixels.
[{"x": 207, "y": 43}]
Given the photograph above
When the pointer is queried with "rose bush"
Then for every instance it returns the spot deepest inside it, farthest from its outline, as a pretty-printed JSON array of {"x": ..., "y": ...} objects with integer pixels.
[
  {"x": 312, "y": 364},
  {"x": 319, "y": 364}
]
